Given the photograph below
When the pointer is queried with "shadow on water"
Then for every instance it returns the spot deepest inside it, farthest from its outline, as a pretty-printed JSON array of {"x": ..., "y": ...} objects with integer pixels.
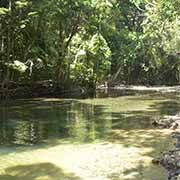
[
  {"x": 132, "y": 174},
  {"x": 46, "y": 123},
  {"x": 41, "y": 171},
  {"x": 170, "y": 107},
  {"x": 156, "y": 141},
  {"x": 33, "y": 122}
]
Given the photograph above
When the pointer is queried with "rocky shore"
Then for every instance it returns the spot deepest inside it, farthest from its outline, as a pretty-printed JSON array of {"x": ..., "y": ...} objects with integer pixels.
[{"x": 170, "y": 160}]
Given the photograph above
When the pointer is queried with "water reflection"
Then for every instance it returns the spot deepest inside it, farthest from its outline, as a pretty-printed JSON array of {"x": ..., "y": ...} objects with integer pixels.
[
  {"x": 32, "y": 122},
  {"x": 57, "y": 135}
]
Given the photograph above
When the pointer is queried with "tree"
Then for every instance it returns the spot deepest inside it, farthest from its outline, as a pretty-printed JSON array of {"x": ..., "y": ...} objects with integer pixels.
[{"x": 91, "y": 61}]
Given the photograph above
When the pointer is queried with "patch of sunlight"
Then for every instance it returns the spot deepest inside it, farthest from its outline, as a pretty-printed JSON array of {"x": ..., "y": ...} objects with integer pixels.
[
  {"x": 102, "y": 160},
  {"x": 125, "y": 153},
  {"x": 43, "y": 178},
  {"x": 50, "y": 99},
  {"x": 53, "y": 100}
]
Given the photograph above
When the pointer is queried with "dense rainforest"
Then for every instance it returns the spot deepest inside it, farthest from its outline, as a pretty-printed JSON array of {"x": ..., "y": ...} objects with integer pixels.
[{"x": 56, "y": 45}]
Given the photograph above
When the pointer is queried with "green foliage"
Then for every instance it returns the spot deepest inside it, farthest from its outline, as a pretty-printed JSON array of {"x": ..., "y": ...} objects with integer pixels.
[
  {"x": 92, "y": 61},
  {"x": 17, "y": 65},
  {"x": 21, "y": 4},
  {"x": 3, "y": 11},
  {"x": 85, "y": 41}
]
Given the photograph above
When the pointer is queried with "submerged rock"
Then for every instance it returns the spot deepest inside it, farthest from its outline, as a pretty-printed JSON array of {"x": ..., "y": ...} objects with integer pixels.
[{"x": 156, "y": 161}]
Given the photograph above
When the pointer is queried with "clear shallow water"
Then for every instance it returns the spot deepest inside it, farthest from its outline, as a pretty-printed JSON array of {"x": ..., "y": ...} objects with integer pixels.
[{"x": 102, "y": 138}]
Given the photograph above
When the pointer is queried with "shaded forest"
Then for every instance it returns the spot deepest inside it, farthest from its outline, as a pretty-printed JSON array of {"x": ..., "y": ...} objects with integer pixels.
[{"x": 48, "y": 46}]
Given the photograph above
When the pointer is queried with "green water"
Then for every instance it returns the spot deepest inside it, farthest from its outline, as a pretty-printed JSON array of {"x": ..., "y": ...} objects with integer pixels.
[{"x": 90, "y": 139}]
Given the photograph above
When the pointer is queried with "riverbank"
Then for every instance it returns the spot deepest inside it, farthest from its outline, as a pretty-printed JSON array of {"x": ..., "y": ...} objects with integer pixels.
[
  {"x": 44, "y": 89},
  {"x": 142, "y": 88},
  {"x": 48, "y": 90},
  {"x": 170, "y": 160}
]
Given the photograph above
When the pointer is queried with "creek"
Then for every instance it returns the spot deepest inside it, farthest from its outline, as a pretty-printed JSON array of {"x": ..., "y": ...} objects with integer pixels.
[{"x": 102, "y": 138}]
